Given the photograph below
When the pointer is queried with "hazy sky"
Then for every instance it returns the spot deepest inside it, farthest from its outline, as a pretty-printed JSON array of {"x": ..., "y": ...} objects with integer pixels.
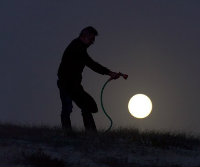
[{"x": 155, "y": 42}]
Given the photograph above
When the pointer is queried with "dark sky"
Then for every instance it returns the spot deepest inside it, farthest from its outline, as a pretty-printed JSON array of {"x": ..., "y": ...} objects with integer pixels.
[{"x": 155, "y": 42}]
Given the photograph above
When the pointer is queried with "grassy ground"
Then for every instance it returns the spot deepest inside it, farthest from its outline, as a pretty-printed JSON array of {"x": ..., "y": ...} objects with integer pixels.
[
  {"x": 52, "y": 135},
  {"x": 39, "y": 146}
]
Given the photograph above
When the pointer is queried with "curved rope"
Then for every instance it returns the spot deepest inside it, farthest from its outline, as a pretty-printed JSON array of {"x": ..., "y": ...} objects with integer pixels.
[{"x": 111, "y": 122}]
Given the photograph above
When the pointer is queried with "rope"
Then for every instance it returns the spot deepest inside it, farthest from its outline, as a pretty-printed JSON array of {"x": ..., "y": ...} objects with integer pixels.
[{"x": 111, "y": 122}]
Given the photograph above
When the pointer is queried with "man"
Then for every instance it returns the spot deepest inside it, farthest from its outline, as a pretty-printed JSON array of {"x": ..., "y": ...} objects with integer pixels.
[{"x": 74, "y": 59}]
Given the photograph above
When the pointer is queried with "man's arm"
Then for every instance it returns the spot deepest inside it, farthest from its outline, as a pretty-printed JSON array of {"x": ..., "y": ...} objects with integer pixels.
[
  {"x": 101, "y": 69},
  {"x": 96, "y": 66}
]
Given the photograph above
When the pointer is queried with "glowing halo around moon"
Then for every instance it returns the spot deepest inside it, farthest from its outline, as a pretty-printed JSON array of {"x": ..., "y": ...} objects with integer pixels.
[{"x": 140, "y": 106}]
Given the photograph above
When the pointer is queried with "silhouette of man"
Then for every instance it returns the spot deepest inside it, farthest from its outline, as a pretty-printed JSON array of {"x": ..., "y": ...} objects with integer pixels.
[{"x": 74, "y": 59}]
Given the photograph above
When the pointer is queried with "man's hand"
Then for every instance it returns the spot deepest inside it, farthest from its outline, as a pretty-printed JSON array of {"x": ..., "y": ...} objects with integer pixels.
[{"x": 114, "y": 75}]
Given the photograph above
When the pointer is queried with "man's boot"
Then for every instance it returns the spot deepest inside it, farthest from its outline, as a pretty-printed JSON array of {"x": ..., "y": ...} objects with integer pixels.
[
  {"x": 89, "y": 122},
  {"x": 66, "y": 123}
]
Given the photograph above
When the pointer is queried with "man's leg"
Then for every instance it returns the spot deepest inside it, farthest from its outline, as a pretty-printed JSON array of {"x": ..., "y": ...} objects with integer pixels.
[
  {"x": 88, "y": 106},
  {"x": 88, "y": 121},
  {"x": 66, "y": 110}
]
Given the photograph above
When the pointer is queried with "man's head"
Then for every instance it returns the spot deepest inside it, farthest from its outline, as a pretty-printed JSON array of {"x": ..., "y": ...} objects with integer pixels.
[{"x": 87, "y": 35}]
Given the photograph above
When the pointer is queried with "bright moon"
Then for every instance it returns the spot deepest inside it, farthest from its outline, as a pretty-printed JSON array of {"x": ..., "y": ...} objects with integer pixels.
[{"x": 140, "y": 106}]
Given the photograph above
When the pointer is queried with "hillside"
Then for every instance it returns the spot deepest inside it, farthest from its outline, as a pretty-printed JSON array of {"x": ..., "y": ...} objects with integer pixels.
[{"x": 44, "y": 146}]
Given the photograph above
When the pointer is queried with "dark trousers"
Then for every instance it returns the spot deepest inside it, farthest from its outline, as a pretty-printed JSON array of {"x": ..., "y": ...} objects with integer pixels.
[{"x": 83, "y": 100}]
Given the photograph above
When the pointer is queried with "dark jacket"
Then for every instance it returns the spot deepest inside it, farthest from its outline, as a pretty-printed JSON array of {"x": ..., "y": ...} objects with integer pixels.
[{"x": 74, "y": 59}]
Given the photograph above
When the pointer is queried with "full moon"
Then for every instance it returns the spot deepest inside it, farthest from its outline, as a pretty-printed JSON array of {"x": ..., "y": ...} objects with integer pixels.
[{"x": 140, "y": 106}]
